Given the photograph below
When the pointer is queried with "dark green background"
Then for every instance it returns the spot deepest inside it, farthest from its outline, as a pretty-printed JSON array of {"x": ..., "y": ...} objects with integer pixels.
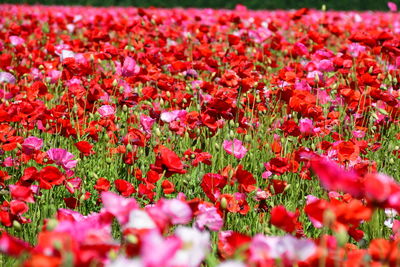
[{"x": 253, "y": 4}]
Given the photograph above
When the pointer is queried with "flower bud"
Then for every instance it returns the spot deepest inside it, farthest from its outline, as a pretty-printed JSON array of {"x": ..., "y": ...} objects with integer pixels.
[
  {"x": 129, "y": 148},
  {"x": 51, "y": 224},
  {"x": 132, "y": 239},
  {"x": 329, "y": 218},
  {"x": 342, "y": 236},
  {"x": 157, "y": 131},
  {"x": 17, "y": 225},
  {"x": 224, "y": 203}
]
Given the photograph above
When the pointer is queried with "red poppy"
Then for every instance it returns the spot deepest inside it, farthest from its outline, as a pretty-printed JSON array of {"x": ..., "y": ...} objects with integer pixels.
[
  {"x": 24, "y": 193},
  {"x": 229, "y": 243},
  {"x": 286, "y": 220},
  {"x": 212, "y": 184},
  {"x": 245, "y": 179},
  {"x": 168, "y": 161},
  {"x": 278, "y": 165},
  {"x": 102, "y": 184},
  {"x": 125, "y": 188},
  {"x": 13, "y": 246},
  {"x": 50, "y": 176},
  {"x": 168, "y": 187},
  {"x": 85, "y": 148}
]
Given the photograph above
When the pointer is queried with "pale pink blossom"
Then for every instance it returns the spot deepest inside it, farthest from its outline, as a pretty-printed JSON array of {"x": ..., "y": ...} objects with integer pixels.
[
  {"x": 6, "y": 77},
  {"x": 140, "y": 219},
  {"x": 54, "y": 75},
  {"x": 208, "y": 217},
  {"x": 170, "y": 116},
  {"x": 354, "y": 49},
  {"x": 195, "y": 245},
  {"x": 178, "y": 211},
  {"x": 157, "y": 250},
  {"x": 94, "y": 229},
  {"x": 16, "y": 40},
  {"x": 235, "y": 148},
  {"x": 66, "y": 54},
  {"x": 287, "y": 248},
  {"x": 118, "y": 206},
  {"x": 106, "y": 111}
]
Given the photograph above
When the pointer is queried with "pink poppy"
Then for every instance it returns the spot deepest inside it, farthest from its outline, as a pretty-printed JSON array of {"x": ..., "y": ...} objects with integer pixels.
[
  {"x": 208, "y": 216},
  {"x": 62, "y": 158},
  {"x": 170, "y": 116},
  {"x": 7, "y": 77},
  {"x": 32, "y": 144},
  {"x": 15, "y": 40},
  {"x": 235, "y": 148},
  {"x": 157, "y": 251},
  {"x": 130, "y": 67},
  {"x": 118, "y": 206},
  {"x": 106, "y": 110},
  {"x": 177, "y": 210},
  {"x": 146, "y": 122},
  {"x": 392, "y": 6}
]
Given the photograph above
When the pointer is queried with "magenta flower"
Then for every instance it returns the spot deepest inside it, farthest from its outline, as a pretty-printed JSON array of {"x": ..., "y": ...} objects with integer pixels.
[
  {"x": 54, "y": 75},
  {"x": 62, "y": 158},
  {"x": 106, "y": 110},
  {"x": 325, "y": 65},
  {"x": 208, "y": 216},
  {"x": 146, "y": 122},
  {"x": 235, "y": 148},
  {"x": 334, "y": 177},
  {"x": 32, "y": 144},
  {"x": 358, "y": 134},
  {"x": 306, "y": 126},
  {"x": 392, "y": 6},
  {"x": 94, "y": 229}
]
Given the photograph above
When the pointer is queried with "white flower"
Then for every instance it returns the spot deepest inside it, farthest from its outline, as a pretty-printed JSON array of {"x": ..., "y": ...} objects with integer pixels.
[{"x": 195, "y": 246}]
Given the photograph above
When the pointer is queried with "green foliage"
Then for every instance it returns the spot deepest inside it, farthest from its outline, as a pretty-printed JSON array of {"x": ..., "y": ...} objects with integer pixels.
[{"x": 253, "y": 4}]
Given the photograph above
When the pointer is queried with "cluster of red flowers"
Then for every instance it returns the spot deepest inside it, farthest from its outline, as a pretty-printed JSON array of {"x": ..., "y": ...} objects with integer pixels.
[{"x": 165, "y": 107}]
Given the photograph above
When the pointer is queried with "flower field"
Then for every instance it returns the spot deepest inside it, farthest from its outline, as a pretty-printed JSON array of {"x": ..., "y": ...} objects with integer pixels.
[{"x": 199, "y": 137}]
